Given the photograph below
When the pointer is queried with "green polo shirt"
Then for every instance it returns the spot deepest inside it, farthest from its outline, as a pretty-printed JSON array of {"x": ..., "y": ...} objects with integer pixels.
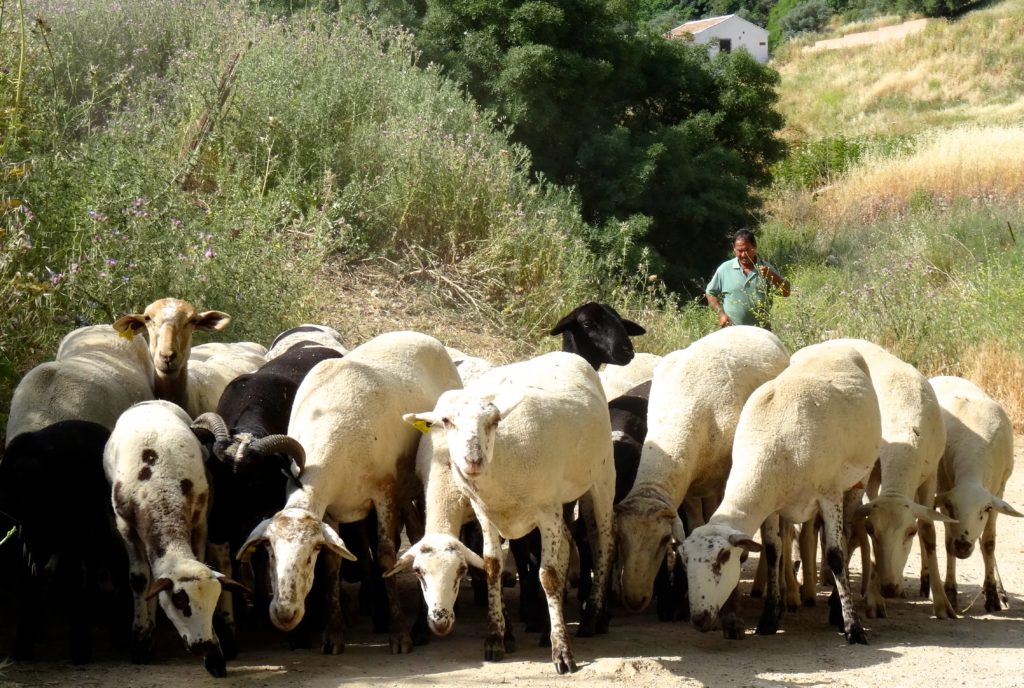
[{"x": 745, "y": 298}]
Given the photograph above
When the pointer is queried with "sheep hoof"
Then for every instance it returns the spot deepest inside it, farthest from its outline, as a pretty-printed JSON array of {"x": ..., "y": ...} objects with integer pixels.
[
  {"x": 494, "y": 648},
  {"x": 401, "y": 643},
  {"x": 564, "y": 662},
  {"x": 855, "y": 635},
  {"x": 995, "y": 599},
  {"x": 951, "y": 594},
  {"x": 142, "y": 648}
]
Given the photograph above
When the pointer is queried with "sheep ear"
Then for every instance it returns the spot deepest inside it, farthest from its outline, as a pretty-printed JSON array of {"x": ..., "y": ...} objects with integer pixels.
[
  {"x": 678, "y": 531},
  {"x": 564, "y": 323},
  {"x": 210, "y": 321},
  {"x": 158, "y": 586},
  {"x": 744, "y": 542},
  {"x": 130, "y": 325},
  {"x": 228, "y": 583},
  {"x": 471, "y": 557},
  {"x": 422, "y": 421},
  {"x": 506, "y": 402},
  {"x": 258, "y": 535},
  {"x": 404, "y": 561},
  {"x": 632, "y": 329},
  {"x": 1004, "y": 507},
  {"x": 334, "y": 542},
  {"x": 926, "y": 514}
]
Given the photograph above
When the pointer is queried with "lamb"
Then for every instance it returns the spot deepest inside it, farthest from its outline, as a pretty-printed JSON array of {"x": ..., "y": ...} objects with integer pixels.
[
  {"x": 307, "y": 335},
  {"x": 696, "y": 397},
  {"x": 160, "y": 496},
  {"x": 801, "y": 440},
  {"x": 523, "y": 440},
  {"x": 359, "y": 454},
  {"x": 61, "y": 414},
  {"x": 598, "y": 333},
  {"x": 975, "y": 466},
  {"x": 913, "y": 439},
  {"x": 196, "y": 386}
]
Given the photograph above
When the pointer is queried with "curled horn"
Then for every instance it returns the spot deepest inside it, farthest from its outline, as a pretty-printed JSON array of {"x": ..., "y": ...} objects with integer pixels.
[
  {"x": 284, "y": 444},
  {"x": 214, "y": 424}
]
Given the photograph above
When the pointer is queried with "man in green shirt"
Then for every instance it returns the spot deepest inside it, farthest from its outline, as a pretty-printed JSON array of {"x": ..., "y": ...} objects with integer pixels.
[{"x": 741, "y": 290}]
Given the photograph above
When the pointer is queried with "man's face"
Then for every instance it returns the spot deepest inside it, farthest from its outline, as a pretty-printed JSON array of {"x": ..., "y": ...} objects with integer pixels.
[{"x": 745, "y": 252}]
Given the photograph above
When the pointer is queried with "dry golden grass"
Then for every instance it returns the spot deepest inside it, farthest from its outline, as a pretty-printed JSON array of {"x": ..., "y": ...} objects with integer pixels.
[
  {"x": 965, "y": 162},
  {"x": 967, "y": 70},
  {"x": 999, "y": 372}
]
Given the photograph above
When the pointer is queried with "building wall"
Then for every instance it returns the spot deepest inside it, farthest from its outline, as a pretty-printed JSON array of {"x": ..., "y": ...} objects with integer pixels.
[{"x": 741, "y": 33}]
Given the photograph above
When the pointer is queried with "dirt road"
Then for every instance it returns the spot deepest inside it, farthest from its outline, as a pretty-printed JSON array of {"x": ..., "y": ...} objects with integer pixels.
[{"x": 907, "y": 650}]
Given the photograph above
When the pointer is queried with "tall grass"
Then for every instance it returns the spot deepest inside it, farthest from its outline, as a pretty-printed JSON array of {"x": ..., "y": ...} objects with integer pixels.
[{"x": 198, "y": 150}]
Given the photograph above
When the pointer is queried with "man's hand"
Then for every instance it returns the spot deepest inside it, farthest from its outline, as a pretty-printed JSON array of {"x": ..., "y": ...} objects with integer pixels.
[{"x": 723, "y": 319}]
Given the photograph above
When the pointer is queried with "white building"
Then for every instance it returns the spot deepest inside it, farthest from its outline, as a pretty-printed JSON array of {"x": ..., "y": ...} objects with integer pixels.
[{"x": 725, "y": 34}]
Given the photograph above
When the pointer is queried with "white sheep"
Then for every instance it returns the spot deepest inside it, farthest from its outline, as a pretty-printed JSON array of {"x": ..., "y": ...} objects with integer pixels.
[
  {"x": 619, "y": 379},
  {"x": 975, "y": 466},
  {"x": 523, "y": 440},
  {"x": 801, "y": 441},
  {"x": 160, "y": 495},
  {"x": 469, "y": 367},
  {"x": 96, "y": 376},
  {"x": 347, "y": 415},
  {"x": 194, "y": 385},
  {"x": 305, "y": 335},
  {"x": 203, "y": 352},
  {"x": 696, "y": 397},
  {"x": 913, "y": 437}
]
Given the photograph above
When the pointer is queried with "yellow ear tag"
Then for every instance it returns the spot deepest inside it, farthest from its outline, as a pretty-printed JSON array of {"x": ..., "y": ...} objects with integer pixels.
[
  {"x": 127, "y": 333},
  {"x": 421, "y": 425}
]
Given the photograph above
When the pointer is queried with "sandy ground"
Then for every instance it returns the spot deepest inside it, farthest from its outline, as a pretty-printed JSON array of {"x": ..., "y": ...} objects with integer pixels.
[
  {"x": 908, "y": 649},
  {"x": 882, "y": 35}
]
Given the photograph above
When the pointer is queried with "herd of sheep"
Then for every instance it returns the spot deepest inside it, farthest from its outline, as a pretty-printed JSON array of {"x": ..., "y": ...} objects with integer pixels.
[{"x": 198, "y": 473}]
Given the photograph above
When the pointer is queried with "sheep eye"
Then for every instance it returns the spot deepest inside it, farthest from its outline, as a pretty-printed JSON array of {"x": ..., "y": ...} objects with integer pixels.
[{"x": 418, "y": 571}]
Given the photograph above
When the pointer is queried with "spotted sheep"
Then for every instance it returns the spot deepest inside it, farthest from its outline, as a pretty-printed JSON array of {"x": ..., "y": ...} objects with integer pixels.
[
  {"x": 61, "y": 415},
  {"x": 155, "y": 465},
  {"x": 696, "y": 397},
  {"x": 976, "y": 463},
  {"x": 360, "y": 455},
  {"x": 523, "y": 440},
  {"x": 193, "y": 382},
  {"x": 802, "y": 439}
]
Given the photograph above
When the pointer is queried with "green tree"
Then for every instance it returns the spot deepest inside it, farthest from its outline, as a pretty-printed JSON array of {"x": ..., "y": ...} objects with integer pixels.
[{"x": 641, "y": 126}]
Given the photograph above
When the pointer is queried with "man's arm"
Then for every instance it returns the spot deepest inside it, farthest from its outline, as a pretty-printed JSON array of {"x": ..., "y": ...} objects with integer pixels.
[
  {"x": 775, "y": 278},
  {"x": 723, "y": 319}
]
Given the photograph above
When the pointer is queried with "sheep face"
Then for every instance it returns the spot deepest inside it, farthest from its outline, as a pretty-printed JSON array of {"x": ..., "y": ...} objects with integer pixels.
[
  {"x": 891, "y": 521},
  {"x": 470, "y": 424},
  {"x": 644, "y": 527},
  {"x": 189, "y": 599},
  {"x": 711, "y": 555},
  {"x": 294, "y": 537},
  {"x": 598, "y": 333},
  {"x": 971, "y": 506},
  {"x": 439, "y": 562},
  {"x": 169, "y": 324}
]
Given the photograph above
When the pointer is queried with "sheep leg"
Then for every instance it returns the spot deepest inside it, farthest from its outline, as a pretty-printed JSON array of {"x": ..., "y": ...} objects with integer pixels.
[
  {"x": 757, "y": 586},
  {"x": 732, "y": 626},
  {"x": 995, "y": 595},
  {"x": 554, "y": 563},
  {"x": 334, "y": 630},
  {"x": 950, "y": 584},
  {"x": 219, "y": 556},
  {"x": 926, "y": 529},
  {"x": 387, "y": 555},
  {"x": 792, "y": 588},
  {"x": 771, "y": 538},
  {"x": 139, "y": 579},
  {"x": 596, "y": 508},
  {"x": 808, "y": 541},
  {"x": 835, "y": 550},
  {"x": 30, "y": 603},
  {"x": 494, "y": 642}
]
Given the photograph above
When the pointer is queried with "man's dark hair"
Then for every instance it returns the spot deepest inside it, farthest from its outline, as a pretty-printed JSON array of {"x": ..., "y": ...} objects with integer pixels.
[{"x": 746, "y": 235}]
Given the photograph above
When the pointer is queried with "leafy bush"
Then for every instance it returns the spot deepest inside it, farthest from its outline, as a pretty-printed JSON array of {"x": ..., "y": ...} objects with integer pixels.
[{"x": 809, "y": 16}]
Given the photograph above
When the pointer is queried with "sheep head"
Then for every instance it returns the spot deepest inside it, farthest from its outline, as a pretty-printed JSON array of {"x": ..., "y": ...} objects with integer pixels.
[
  {"x": 294, "y": 537},
  {"x": 169, "y": 324},
  {"x": 892, "y": 523},
  {"x": 598, "y": 333},
  {"x": 712, "y": 557},
  {"x": 971, "y": 506},
  {"x": 439, "y": 562},
  {"x": 644, "y": 529}
]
